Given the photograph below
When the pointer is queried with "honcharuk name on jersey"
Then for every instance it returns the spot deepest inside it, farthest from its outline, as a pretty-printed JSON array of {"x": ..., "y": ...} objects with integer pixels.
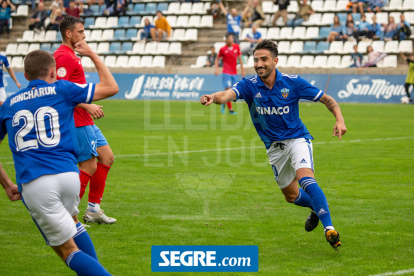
[
  {"x": 272, "y": 110},
  {"x": 34, "y": 93}
]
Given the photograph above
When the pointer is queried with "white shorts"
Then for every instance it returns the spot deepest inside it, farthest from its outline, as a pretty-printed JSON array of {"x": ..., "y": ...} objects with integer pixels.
[
  {"x": 3, "y": 95},
  {"x": 52, "y": 200},
  {"x": 286, "y": 158}
]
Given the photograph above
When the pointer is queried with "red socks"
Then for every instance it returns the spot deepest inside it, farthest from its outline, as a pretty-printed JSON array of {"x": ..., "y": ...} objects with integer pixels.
[
  {"x": 84, "y": 179},
  {"x": 97, "y": 186},
  {"x": 229, "y": 105}
]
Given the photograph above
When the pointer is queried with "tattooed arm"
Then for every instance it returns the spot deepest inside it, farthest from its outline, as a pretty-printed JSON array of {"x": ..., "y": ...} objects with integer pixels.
[{"x": 339, "y": 128}]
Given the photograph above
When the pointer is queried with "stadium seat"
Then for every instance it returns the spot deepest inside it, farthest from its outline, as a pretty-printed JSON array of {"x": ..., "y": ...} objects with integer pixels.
[
  {"x": 394, "y": 5},
  {"x": 146, "y": 61},
  {"x": 388, "y": 62},
  {"x": 335, "y": 47},
  {"x": 130, "y": 33},
  {"x": 150, "y": 18},
  {"x": 309, "y": 46},
  {"x": 249, "y": 63},
  {"x": 107, "y": 34},
  {"x": 263, "y": 32},
  {"x": 119, "y": 34},
  {"x": 113, "y": 48},
  {"x": 111, "y": 22},
  {"x": 45, "y": 47},
  {"x": 408, "y": 5},
  {"x": 329, "y": 6},
  {"x": 110, "y": 61},
  {"x": 93, "y": 46},
  {"x": 320, "y": 62},
  {"x": 293, "y": 7},
  {"x": 369, "y": 16},
  {"x": 94, "y": 8},
  {"x": 321, "y": 47},
  {"x": 312, "y": 32},
  {"x": 175, "y": 48},
  {"x": 286, "y": 33},
  {"x": 194, "y": 21},
  {"x": 191, "y": 35},
  {"x": 382, "y": 18},
  {"x": 22, "y": 10},
  {"x": 348, "y": 47},
  {"x": 267, "y": 6},
  {"x": 27, "y": 36},
  {"x": 356, "y": 17},
  {"x": 346, "y": 61},
  {"x": 282, "y": 61},
  {"x": 244, "y": 33},
  {"x": 299, "y": 33},
  {"x": 333, "y": 62},
  {"x": 39, "y": 36},
  {"x": 134, "y": 62},
  {"x": 100, "y": 23},
  {"x": 317, "y": 5},
  {"x": 406, "y": 46},
  {"x": 378, "y": 46},
  {"x": 185, "y": 8},
  {"x": 296, "y": 47},
  {"x": 138, "y": 48},
  {"x": 396, "y": 16},
  {"x": 158, "y": 61},
  {"x": 17, "y": 62},
  {"x": 391, "y": 47},
  {"x": 151, "y": 8},
  {"x": 273, "y": 33},
  {"x": 306, "y": 62},
  {"x": 50, "y": 36},
  {"x": 293, "y": 61},
  {"x": 198, "y": 8},
  {"x": 284, "y": 47},
  {"x": 409, "y": 16},
  {"x": 123, "y": 21},
  {"x": 103, "y": 47},
  {"x": 314, "y": 19},
  {"x": 138, "y": 9},
  {"x": 207, "y": 7},
  {"x": 11, "y": 49},
  {"x": 121, "y": 62},
  {"x": 341, "y": 5},
  {"x": 207, "y": 21},
  {"x": 201, "y": 62},
  {"x": 96, "y": 35},
  {"x": 133, "y": 21},
  {"x": 151, "y": 48},
  {"x": 162, "y": 7},
  {"x": 55, "y": 46},
  {"x": 22, "y": 49},
  {"x": 87, "y": 62},
  {"x": 125, "y": 48},
  {"x": 182, "y": 21},
  {"x": 89, "y": 21},
  {"x": 162, "y": 48},
  {"x": 173, "y": 8},
  {"x": 218, "y": 46},
  {"x": 58, "y": 37},
  {"x": 324, "y": 32},
  {"x": 327, "y": 19},
  {"x": 178, "y": 35},
  {"x": 342, "y": 17},
  {"x": 33, "y": 47},
  {"x": 172, "y": 19}
]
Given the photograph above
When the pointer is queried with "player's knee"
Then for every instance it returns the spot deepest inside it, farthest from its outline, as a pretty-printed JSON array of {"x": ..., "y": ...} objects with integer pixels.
[
  {"x": 107, "y": 160},
  {"x": 89, "y": 166},
  {"x": 290, "y": 197}
]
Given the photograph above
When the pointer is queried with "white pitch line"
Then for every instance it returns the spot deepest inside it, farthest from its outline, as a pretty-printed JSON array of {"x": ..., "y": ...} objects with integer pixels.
[
  {"x": 399, "y": 272},
  {"x": 225, "y": 149}
]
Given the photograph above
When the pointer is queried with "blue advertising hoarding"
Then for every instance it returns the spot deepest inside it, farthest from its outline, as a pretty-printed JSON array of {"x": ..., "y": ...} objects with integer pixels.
[{"x": 344, "y": 88}]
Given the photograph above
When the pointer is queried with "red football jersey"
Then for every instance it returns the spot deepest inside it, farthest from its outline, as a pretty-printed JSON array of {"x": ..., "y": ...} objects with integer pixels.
[
  {"x": 69, "y": 67},
  {"x": 230, "y": 55}
]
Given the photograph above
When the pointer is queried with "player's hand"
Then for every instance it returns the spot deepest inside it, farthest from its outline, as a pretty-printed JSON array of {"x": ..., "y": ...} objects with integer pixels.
[
  {"x": 217, "y": 72},
  {"x": 18, "y": 85},
  {"x": 339, "y": 129},
  {"x": 206, "y": 100},
  {"x": 13, "y": 193},
  {"x": 95, "y": 110},
  {"x": 83, "y": 48}
]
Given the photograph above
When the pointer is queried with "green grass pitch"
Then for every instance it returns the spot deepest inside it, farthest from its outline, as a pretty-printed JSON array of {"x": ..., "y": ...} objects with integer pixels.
[{"x": 368, "y": 180}]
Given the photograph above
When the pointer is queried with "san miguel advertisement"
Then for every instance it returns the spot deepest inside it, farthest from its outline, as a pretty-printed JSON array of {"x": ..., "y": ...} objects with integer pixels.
[{"x": 344, "y": 88}]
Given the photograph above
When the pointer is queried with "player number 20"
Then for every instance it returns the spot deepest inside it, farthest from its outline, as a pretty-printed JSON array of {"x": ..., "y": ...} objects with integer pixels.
[{"x": 38, "y": 122}]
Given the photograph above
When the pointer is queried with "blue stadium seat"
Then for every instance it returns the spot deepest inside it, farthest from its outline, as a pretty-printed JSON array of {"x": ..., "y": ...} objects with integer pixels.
[
  {"x": 119, "y": 34},
  {"x": 54, "y": 47},
  {"x": 356, "y": 17},
  {"x": 114, "y": 47},
  {"x": 45, "y": 47},
  {"x": 89, "y": 21},
  {"x": 309, "y": 47},
  {"x": 130, "y": 6},
  {"x": 59, "y": 37},
  {"x": 131, "y": 33},
  {"x": 162, "y": 7},
  {"x": 342, "y": 17},
  {"x": 123, "y": 21},
  {"x": 94, "y": 8},
  {"x": 101, "y": 9},
  {"x": 322, "y": 46},
  {"x": 138, "y": 9},
  {"x": 134, "y": 20},
  {"x": 151, "y": 8},
  {"x": 324, "y": 32},
  {"x": 126, "y": 46}
]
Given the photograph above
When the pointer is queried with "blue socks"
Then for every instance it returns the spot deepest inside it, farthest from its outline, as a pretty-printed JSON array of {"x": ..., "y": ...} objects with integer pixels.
[
  {"x": 85, "y": 265},
  {"x": 84, "y": 242},
  {"x": 303, "y": 199},
  {"x": 318, "y": 199}
]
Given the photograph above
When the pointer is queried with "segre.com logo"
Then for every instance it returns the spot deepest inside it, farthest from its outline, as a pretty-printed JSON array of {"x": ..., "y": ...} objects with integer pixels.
[{"x": 205, "y": 258}]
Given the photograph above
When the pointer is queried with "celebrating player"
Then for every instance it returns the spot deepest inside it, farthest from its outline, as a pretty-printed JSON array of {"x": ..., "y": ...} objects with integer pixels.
[
  {"x": 5, "y": 62},
  {"x": 40, "y": 124},
  {"x": 229, "y": 53},
  {"x": 273, "y": 99},
  {"x": 91, "y": 141}
]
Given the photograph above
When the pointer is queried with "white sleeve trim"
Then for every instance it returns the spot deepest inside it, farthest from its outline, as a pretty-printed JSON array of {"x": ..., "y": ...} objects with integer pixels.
[
  {"x": 237, "y": 92},
  {"x": 314, "y": 99},
  {"x": 89, "y": 93}
]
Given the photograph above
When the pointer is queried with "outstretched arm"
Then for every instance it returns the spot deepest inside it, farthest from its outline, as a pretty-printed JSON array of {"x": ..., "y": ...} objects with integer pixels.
[
  {"x": 403, "y": 56},
  {"x": 339, "y": 128},
  {"x": 13, "y": 76},
  {"x": 223, "y": 8},
  {"x": 220, "y": 97}
]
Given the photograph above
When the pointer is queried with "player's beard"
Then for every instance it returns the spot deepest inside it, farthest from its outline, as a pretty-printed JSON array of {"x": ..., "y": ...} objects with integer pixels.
[{"x": 267, "y": 71}]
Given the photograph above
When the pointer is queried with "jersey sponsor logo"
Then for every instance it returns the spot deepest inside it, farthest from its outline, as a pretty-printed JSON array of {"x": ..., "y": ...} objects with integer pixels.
[
  {"x": 272, "y": 110},
  {"x": 285, "y": 92},
  {"x": 61, "y": 72}
]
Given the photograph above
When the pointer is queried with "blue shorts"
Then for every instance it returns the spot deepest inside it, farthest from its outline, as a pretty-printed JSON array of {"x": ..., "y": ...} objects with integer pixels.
[
  {"x": 89, "y": 139},
  {"x": 229, "y": 80}
]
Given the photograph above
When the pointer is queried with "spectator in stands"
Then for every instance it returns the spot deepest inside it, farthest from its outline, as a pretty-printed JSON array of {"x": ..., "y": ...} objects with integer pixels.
[
  {"x": 356, "y": 57},
  {"x": 23, "y": 2},
  {"x": 337, "y": 30},
  {"x": 163, "y": 29},
  {"x": 233, "y": 23},
  {"x": 254, "y": 38},
  {"x": 410, "y": 75},
  {"x": 282, "y": 12},
  {"x": 364, "y": 28},
  {"x": 101, "y": 5},
  {"x": 376, "y": 28},
  {"x": 349, "y": 31},
  {"x": 403, "y": 29},
  {"x": 5, "y": 12},
  {"x": 56, "y": 4},
  {"x": 211, "y": 58},
  {"x": 359, "y": 4},
  {"x": 253, "y": 13},
  {"x": 120, "y": 7},
  {"x": 38, "y": 18},
  {"x": 75, "y": 9},
  {"x": 55, "y": 19},
  {"x": 89, "y": 11},
  {"x": 305, "y": 10},
  {"x": 374, "y": 57},
  {"x": 149, "y": 31},
  {"x": 375, "y": 5},
  {"x": 390, "y": 29}
]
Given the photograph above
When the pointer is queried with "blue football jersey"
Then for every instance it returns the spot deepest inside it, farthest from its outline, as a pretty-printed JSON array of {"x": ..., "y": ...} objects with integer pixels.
[
  {"x": 3, "y": 63},
  {"x": 41, "y": 128},
  {"x": 275, "y": 112}
]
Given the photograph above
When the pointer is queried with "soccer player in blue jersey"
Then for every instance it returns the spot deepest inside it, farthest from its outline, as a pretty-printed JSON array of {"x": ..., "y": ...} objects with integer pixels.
[
  {"x": 5, "y": 62},
  {"x": 42, "y": 137},
  {"x": 273, "y": 99}
]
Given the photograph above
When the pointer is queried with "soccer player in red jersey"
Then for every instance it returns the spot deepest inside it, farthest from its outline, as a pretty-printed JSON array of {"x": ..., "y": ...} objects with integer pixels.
[
  {"x": 92, "y": 145},
  {"x": 229, "y": 53}
]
